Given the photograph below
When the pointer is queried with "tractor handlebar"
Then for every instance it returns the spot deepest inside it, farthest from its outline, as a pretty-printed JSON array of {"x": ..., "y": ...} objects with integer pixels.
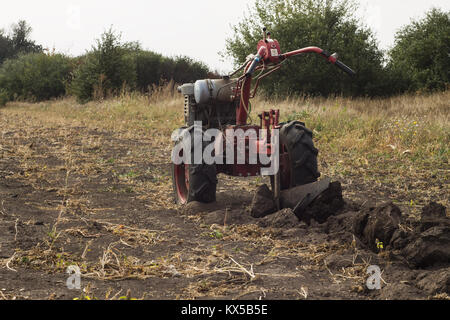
[
  {"x": 331, "y": 58},
  {"x": 344, "y": 68},
  {"x": 269, "y": 53}
]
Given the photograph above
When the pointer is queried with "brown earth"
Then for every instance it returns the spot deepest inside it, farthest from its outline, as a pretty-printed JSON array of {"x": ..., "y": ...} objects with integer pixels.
[{"x": 101, "y": 200}]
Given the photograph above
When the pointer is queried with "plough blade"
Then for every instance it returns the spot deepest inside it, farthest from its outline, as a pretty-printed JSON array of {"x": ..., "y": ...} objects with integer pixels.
[{"x": 298, "y": 198}]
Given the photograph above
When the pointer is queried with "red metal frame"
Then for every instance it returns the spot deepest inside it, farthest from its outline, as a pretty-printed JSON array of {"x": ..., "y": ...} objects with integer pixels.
[
  {"x": 269, "y": 53},
  {"x": 265, "y": 57},
  {"x": 242, "y": 111},
  {"x": 242, "y": 170},
  {"x": 269, "y": 120}
]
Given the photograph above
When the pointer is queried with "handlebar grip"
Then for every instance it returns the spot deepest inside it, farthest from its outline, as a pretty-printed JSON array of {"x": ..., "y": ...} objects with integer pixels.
[{"x": 345, "y": 68}]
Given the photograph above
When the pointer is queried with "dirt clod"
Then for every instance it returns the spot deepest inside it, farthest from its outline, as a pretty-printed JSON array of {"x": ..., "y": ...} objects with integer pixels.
[
  {"x": 262, "y": 203},
  {"x": 338, "y": 261},
  {"x": 227, "y": 217},
  {"x": 340, "y": 226},
  {"x": 429, "y": 248},
  {"x": 282, "y": 219},
  {"x": 196, "y": 207},
  {"x": 377, "y": 225},
  {"x": 429, "y": 243},
  {"x": 433, "y": 215},
  {"x": 327, "y": 204},
  {"x": 433, "y": 210},
  {"x": 436, "y": 282}
]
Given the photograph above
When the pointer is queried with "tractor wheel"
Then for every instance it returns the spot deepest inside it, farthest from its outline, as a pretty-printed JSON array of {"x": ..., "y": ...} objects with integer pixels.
[
  {"x": 298, "y": 156},
  {"x": 193, "y": 182}
]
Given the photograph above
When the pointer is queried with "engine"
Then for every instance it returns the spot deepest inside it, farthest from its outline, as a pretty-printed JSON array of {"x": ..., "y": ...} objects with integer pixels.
[{"x": 211, "y": 101}]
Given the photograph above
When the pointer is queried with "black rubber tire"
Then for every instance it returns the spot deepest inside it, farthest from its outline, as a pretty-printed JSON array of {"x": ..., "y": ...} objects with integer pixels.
[
  {"x": 202, "y": 179},
  {"x": 302, "y": 154}
]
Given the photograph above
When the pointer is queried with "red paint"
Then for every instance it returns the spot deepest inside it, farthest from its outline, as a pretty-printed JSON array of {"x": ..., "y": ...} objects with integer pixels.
[
  {"x": 317, "y": 50},
  {"x": 304, "y": 50},
  {"x": 181, "y": 172},
  {"x": 270, "y": 45},
  {"x": 241, "y": 112}
]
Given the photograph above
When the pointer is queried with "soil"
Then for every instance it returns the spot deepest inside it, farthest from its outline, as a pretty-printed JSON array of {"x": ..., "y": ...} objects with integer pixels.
[{"x": 61, "y": 205}]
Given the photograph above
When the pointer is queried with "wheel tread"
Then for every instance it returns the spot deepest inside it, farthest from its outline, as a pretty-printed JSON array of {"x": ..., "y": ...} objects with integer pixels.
[
  {"x": 302, "y": 152},
  {"x": 202, "y": 181}
]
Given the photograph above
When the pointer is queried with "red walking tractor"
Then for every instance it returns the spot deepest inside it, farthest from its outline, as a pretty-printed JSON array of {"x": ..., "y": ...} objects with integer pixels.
[{"x": 223, "y": 105}]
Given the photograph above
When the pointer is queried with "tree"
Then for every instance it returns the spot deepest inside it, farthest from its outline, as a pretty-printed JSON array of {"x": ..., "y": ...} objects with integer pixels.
[
  {"x": 17, "y": 42},
  {"x": 20, "y": 39},
  {"x": 105, "y": 70},
  {"x": 149, "y": 68},
  {"x": 421, "y": 54},
  {"x": 187, "y": 69},
  {"x": 155, "y": 69},
  {"x": 329, "y": 24},
  {"x": 5, "y": 47}
]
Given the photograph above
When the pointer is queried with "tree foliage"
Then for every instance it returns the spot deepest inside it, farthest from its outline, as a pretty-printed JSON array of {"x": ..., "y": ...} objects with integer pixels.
[
  {"x": 17, "y": 42},
  {"x": 329, "y": 24},
  {"x": 421, "y": 55},
  {"x": 112, "y": 65},
  {"x": 34, "y": 76},
  {"x": 153, "y": 69},
  {"x": 106, "y": 69},
  {"x": 419, "y": 60}
]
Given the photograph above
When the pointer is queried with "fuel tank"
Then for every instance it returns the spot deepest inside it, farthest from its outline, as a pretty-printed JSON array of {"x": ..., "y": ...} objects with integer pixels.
[{"x": 214, "y": 89}]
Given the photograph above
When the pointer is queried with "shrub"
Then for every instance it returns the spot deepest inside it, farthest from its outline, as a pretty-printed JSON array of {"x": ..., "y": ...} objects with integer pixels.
[
  {"x": 152, "y": 68},
  {"x": 186, "y": 70},
  {"x": 110, "y": 66},
  {"x": 149, "y": 69},
  {"x": 35, "y": 76},
  {"x": 4, "y": 97}
]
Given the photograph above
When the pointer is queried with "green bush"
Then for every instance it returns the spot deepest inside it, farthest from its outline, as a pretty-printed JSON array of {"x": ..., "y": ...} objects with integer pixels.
[
  {"x": 109, "y": 67},
  {"x": 421, "y": 55},
  {"x": 149, "y": 69},
  {"x": 152, "y": 68},
  {"x": 186, "y": 70},
  {"x": 35, "y": 76},
  {"x": 4, "y": 97},
  {"x": 329, "y": 24},
  {"x": 5, "y": 47}
]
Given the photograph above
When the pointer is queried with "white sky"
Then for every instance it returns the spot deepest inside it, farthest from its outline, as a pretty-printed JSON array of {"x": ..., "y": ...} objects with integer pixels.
[{"x": 197, "y": 28}]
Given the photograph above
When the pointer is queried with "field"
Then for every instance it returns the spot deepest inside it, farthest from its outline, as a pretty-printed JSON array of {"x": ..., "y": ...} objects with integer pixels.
[{"x": 90, "y": 185}]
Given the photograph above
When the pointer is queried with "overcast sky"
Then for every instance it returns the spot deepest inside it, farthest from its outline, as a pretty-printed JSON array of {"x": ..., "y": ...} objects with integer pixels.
[{"x": 197, "y": 28}]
